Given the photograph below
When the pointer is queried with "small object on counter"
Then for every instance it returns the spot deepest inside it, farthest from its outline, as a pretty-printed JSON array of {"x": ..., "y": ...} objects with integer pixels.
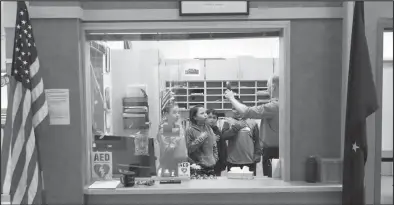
[
  {"x": 166, "y": 173},
  {"x": 172, "y": 173},
  {"x": 171, "y": 181},
  {"x": 159, "y": 172},
  {"x": 128, "y": 179},
  {"x": 311, "y": 172},
  {"x": 238, "y": 173},
  {"x": 146, "y": 182}
]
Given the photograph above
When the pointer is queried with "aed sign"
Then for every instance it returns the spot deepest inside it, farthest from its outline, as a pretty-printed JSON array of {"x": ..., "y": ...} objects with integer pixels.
[{"x": 102, "y": 165}]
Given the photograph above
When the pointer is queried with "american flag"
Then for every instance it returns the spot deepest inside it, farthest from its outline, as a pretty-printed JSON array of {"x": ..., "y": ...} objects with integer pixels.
[{"x": 26, "y": 115}]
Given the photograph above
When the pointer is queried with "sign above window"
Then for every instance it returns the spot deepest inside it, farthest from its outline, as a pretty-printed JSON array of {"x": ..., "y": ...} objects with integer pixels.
[{"x": 213, "y": 8}]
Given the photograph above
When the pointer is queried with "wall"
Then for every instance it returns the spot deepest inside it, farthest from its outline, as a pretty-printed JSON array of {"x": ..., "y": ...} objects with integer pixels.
[
  {"x": 315, "y": 91},
  {"x": 63, "y": 147},
  {"x": 58, "y": 42}
]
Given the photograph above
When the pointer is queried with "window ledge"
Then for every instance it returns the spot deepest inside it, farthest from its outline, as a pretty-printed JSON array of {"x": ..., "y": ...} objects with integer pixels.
[{"x": 221, "y": 185}]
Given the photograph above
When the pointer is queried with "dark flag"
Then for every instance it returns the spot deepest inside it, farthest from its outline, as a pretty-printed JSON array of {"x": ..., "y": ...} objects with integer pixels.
[
  {"x": 26, "y": 118},
  {"x": 361, "y": 102}
]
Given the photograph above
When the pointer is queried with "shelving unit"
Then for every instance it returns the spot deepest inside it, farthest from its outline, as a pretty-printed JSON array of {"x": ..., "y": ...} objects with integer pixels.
[{"x": 210, "y": 93}]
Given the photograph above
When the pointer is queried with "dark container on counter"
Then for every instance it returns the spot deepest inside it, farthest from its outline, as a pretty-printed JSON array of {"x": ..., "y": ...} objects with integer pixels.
[
  {"x": 128, "y": 179},
  {"x": 311, "y": 169}
]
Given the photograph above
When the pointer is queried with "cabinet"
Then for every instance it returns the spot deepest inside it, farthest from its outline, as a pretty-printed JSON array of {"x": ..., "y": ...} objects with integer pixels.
[
  {"x": 241, "y": 68},
  {"x": 255, "y": 68},
  {"x": 225, "y": 69},
  {"x": 210, "y": 93}
]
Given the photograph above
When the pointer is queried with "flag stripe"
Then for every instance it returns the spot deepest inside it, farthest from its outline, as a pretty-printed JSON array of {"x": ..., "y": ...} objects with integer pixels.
[
  {"x": 20, "y": 192},
  {"x": 33, "y": 185},
  {"x": 37, "y": 90},
  {"x": 34, "y": 68},
  {"x": 35, "y": 77},
  {"x": 19, "y": 153},
  {"x": 17, "y": 97},
  {"x": 40, "y": 115},
  {"x": 16, "y": 111}
]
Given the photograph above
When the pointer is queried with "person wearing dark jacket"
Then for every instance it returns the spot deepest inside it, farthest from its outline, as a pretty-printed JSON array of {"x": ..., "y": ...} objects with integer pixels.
[
  {"x": 221, "y": 143},
  {"x": 243, "y": 142}
]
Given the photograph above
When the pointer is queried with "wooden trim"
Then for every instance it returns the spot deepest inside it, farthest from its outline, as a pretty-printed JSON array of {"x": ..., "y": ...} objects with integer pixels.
[
  {"x": 347, "y": 24},
  {"x": 88, "y": 109},
  {"x": 173, "y": 14},
  {"x": 228, "y": 26},
  {"x": 181, "y": 26},
  {"x": 285, "y": 104}
]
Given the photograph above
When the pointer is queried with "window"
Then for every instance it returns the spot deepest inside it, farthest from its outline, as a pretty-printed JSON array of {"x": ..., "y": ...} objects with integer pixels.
[
  {"x": 387, "y": 93},
  {"x": 196, "y": 68}
]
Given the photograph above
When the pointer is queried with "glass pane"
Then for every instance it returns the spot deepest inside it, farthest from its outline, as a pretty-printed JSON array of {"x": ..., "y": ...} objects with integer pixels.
[
  {"x": 141, "y": 107},
  {"x": 387, "y": 93}
]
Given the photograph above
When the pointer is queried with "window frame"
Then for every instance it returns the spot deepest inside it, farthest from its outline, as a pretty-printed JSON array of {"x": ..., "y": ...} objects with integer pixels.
[{"x": 197, "y": 26}]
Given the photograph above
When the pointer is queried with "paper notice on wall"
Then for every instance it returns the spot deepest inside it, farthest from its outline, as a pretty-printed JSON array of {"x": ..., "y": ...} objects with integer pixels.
[
  {"x": 59, "y": 106},
  {"x": 191, "y": 69}
]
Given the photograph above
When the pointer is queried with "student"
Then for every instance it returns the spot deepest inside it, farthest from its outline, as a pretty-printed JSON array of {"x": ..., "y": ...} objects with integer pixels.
[
  {"x": 269, "y": 115},
  {"x": 221, "y": 143},
  {"x": 201, "y": 141},
  {"x": 171, "y": 138},
  {"x": 243, "y": 142}
]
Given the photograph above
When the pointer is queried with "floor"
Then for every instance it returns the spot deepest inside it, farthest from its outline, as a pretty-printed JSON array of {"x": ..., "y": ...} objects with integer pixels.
[{"x": 386, "y": 196}]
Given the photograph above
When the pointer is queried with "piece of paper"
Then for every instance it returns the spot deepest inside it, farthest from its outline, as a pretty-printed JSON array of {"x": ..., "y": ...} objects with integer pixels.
[
  {"x": 59, "y": 106},
  {"x": 184, "y": 169},
  {"x": 104, "y": 184}
]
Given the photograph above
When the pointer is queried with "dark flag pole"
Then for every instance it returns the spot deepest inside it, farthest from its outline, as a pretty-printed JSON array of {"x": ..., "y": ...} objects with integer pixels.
[{"x": 361, "y": 102}]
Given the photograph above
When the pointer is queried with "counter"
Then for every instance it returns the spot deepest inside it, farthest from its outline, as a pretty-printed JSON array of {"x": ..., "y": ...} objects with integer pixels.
[{"x": 219, "y": 191}]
